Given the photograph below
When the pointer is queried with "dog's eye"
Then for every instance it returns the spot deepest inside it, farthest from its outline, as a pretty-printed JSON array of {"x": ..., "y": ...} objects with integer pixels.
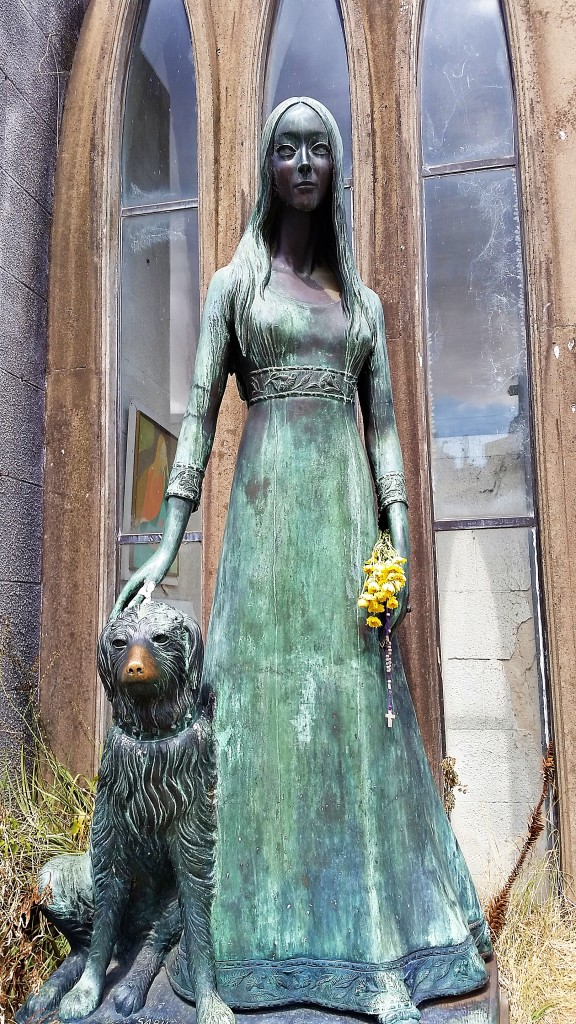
[
  {"x": 119, "y": 643},
  {"x": 160, "y": 638}
]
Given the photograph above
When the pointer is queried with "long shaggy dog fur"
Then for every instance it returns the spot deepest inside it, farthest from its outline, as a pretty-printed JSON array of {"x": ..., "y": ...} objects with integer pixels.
[{"x": 148, "y": 875}]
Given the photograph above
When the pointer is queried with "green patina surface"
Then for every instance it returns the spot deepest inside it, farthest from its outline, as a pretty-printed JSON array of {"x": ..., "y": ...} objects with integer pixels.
[
  {"x": 338, "y": 879},
  {"x": 338, "y": 875}
]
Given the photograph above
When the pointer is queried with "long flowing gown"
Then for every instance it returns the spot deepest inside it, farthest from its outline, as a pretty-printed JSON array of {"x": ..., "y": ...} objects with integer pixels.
[{"x": 339, "y": 879}]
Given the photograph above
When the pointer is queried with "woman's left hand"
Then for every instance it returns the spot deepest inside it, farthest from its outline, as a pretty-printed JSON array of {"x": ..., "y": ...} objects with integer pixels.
[{"x": 395, "y": 519}]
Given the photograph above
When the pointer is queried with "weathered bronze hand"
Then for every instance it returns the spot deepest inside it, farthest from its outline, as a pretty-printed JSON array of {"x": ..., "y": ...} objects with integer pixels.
[
  {"x": 156, "y": 567},
  {"x": 395, "y": 519}
]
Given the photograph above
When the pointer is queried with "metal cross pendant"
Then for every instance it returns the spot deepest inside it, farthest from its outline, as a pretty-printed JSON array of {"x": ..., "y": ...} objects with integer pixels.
[{"x": 390, "y": 716}]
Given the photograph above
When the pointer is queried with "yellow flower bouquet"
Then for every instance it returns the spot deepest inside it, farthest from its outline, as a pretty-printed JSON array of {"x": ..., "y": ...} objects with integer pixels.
[{"x": 385, "y": 578}]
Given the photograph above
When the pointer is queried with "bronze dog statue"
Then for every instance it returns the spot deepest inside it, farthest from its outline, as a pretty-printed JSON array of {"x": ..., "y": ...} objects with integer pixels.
[{"x": 148, "y": 875}]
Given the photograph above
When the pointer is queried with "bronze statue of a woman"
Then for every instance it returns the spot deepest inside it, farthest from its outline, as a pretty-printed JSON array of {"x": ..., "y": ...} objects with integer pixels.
[{"x": 340, "y": 882}]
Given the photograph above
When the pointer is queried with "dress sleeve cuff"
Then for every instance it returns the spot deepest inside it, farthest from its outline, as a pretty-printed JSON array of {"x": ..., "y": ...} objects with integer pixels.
[
  {"x": 185, "y": 482},
  {"x": 390, "y": 488}
]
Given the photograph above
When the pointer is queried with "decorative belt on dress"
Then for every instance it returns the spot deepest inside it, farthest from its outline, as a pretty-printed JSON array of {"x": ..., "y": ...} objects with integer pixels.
[{"x": 299, "y": 382}]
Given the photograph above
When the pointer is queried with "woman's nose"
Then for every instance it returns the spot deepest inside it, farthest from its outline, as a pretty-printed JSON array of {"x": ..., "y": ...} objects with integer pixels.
[{"x": 304, "y": 166}]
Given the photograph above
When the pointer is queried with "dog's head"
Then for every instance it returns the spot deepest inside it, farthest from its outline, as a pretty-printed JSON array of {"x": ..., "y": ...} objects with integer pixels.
[{"x": 150, "y": 663}]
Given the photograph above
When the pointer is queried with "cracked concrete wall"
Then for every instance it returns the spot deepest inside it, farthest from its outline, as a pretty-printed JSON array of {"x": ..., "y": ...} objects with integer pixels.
[
  {"x": 491, "y": 691},
  {"x": 37, "y": 41}
]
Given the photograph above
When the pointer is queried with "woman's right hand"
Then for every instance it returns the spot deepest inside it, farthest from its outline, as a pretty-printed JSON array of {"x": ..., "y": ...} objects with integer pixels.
[
  {"x": 153, "y": 570},
  {"x": 156, "y": 567}
]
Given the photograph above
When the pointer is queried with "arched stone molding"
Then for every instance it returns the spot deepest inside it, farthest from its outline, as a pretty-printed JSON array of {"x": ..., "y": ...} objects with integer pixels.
[
  {"x": 384, "y": 106},
  {"x": 542, "y": 37},
  {"x": 361, "y": 104},
  {"x": 242, "y": 29},
  {"x": 80, "y": 481}
]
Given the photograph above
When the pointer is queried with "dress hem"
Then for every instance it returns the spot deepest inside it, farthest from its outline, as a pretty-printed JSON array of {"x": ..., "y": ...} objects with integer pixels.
[{"x": 360, "y": 988}]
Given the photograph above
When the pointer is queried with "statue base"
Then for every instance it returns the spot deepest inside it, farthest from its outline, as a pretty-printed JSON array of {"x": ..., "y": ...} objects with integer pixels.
[{"x": 487, "y": 1006}]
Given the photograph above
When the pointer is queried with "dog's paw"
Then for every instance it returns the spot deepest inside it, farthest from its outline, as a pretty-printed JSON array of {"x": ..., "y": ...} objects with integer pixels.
[
  {"x": 33, "y": 1007},
  {"x": 210, "y": 1009},
  {"x": 81, "y": 1000},
  {"x": 52, "y": 991},
  {"x": 46, "y": 1000},
  {"x": 130, "y": 996},
  {"x": 36, "y": 1006}
]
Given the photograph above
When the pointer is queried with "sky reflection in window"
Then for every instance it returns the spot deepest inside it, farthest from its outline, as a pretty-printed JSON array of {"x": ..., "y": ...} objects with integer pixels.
[
  {"x": 467, "y": 111},
  {"x": 307, "y": 57},
  {"x": 476, "y": 345},
  {"x": 159, "y": 145}
]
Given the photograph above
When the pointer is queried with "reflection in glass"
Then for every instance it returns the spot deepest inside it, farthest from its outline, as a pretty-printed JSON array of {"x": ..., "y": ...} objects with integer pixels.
[
  {"x": 183, "y": 588},
  {"x": 307, "y": 57},
  {"x": 159, "y": 325},
  {"x": 151, "y": 450},
  {"x": 491, "y": 686},
  {"x": 466, "y": 88},
  {"x": 159, "y": 145},
  {"x": 159, "y": 312},
  {"x": 476, "y": 346}
]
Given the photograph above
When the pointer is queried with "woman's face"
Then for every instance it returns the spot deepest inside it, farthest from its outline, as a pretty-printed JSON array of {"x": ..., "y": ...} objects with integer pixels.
[{"x": 301, "y": 158}]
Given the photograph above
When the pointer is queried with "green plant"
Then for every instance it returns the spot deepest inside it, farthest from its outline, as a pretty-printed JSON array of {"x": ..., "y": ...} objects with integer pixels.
[{"x": 44, "y": 811}]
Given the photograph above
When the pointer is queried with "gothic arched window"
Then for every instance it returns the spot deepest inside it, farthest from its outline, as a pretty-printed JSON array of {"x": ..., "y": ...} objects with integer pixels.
[
  {"x": 496, "y": 713},
  {"x": 307, "y": 57},
  {"x": 159, "y": 285}
]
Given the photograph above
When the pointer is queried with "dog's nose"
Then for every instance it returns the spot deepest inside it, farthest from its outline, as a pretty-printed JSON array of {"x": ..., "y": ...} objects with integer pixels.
[
  {"x": 140, "y": 666},
  {"x": 135, "y": 668}
]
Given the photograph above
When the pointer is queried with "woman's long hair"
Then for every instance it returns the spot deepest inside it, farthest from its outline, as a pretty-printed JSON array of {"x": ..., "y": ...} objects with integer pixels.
[{"x": 251, "y": 265}]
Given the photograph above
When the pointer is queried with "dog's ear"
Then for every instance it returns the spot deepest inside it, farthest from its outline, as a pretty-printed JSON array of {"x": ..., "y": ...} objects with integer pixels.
[
  {"x": 117, "y": 627},
  {"x": 194, "y": 652},
  {"x": 104, "y": 659}
]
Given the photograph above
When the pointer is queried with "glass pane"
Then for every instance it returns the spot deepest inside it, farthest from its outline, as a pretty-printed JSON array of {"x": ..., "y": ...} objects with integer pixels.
[
  {"x": 183, "y": 585},
  {"x": 159, "y": 323},
  {"x": 466, "y": 87},
  {"x": 307, "y": 57},
  {"x": 159, "y": 144},
  {"x": 476, "y": 346},
  {"x": 492, "y": 690}
]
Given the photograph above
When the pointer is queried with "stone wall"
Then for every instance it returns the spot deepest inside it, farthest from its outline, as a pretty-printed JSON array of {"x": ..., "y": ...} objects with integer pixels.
[
  {"x": 492, "y": 700},
  {"x": 37, "y": 41}
]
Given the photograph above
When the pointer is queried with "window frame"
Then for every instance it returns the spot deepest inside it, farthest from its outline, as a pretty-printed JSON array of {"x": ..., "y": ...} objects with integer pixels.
[
  {"x": 126, "y": 211},
  {"x": 80, "y": 504}
]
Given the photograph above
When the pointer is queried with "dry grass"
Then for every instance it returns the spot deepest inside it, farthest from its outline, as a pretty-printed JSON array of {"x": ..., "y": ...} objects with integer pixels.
[
  {"x": 497, "y": 908},
  {"x": 536, "y": 949},
  {"x": 533, "y": 924},
  {"x": 38, "y": 819},
  {"x": 44, "y": 811}
]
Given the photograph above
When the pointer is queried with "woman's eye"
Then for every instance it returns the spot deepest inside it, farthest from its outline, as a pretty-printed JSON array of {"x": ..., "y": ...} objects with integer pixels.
[
  {"x": 119, "y": 643},
  {"x": 160, "y": 638},
  {"x": 285, "y": 151},
  {"x": 320, "y": 149}
]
